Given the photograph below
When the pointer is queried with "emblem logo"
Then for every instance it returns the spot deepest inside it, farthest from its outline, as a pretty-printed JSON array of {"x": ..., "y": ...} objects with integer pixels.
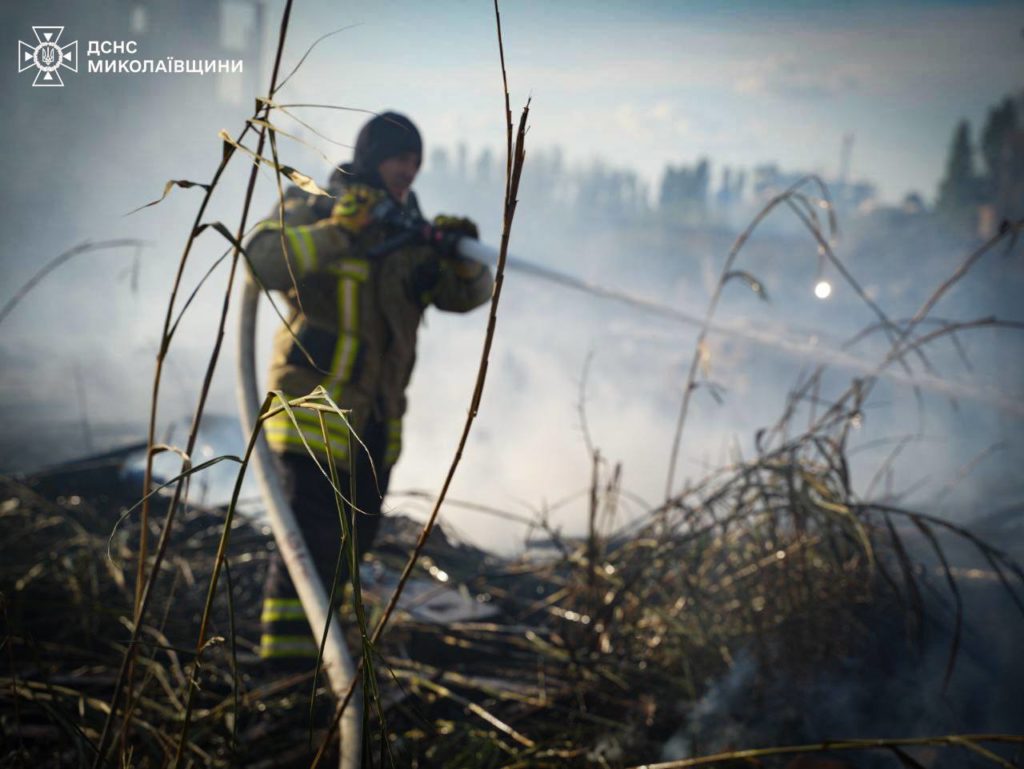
[{"x": 48, "y": 56}]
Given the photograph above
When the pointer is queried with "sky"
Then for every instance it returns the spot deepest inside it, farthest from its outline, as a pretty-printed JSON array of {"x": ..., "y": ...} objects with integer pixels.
[
  {"x": 634, "y": 85},
  {"x": 648, "y": 83}
]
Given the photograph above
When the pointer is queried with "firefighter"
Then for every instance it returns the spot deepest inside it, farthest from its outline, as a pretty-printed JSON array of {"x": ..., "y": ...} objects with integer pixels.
[{"x": 357, "y": 282}]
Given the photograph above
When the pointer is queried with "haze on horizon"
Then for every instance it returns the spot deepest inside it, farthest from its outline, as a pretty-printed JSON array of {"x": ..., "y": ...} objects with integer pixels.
[{"x": 637, "y": 86}]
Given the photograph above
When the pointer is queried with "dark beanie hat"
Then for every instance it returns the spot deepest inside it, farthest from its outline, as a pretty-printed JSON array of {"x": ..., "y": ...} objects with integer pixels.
[{"x": 383, "y": 137}]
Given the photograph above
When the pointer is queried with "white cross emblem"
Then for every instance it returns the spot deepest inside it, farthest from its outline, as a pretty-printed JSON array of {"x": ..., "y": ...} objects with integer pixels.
[{"x": 48, "y": 56}]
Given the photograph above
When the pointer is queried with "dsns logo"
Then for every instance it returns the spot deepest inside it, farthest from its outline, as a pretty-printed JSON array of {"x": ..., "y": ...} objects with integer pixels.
[{"x": 48, "y": 56}]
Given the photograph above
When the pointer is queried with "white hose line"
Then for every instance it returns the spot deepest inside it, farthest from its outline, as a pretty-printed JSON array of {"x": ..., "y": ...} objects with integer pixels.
[
  {"x": 796, "y": 344},
  {"x": 470, "y": 248},
  {"x": 337, "y": 661}
]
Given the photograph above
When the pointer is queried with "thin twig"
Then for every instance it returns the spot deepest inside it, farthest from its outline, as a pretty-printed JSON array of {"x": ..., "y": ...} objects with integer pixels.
[{"x": 516, "y": 157}]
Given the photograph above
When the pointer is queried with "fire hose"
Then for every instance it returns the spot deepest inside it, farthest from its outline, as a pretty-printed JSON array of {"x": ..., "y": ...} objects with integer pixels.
[{"x": 337, "y": 660}]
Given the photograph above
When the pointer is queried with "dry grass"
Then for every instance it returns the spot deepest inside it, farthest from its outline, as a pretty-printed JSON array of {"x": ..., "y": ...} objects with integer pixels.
[{"x": 593, "y": 655}]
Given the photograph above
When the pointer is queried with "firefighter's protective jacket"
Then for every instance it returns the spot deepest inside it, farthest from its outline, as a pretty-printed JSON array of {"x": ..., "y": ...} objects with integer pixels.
[{"x": 355, "y": 318}]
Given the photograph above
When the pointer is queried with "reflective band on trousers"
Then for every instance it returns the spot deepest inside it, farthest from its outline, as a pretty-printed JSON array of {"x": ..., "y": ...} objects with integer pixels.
[
  {"x": 277, "y": 609},
  {"x": 287, "y": 646}
]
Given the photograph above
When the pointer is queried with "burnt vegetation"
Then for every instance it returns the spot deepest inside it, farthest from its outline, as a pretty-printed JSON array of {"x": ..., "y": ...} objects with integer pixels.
[{"x": 715, "y": 623}]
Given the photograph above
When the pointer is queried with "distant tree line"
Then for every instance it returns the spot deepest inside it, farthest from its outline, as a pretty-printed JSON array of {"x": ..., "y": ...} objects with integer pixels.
[
  {"x": 969, "y": 196},
  {"x": 980, "y": 186},
  {"x": 694, "y": 194},
  {"x": 686, "y": 192}
]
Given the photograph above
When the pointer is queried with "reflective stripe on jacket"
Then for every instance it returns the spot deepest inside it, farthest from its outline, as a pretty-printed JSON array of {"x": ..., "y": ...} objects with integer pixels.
[{"x": 353, "y": 322}]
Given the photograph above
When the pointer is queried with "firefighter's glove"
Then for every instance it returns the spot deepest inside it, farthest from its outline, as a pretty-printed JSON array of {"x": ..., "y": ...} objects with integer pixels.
[
  {"x": 446, "y": 231},
  {"x": 357, "y": 208},
  {"x": 458, "y": 225}
]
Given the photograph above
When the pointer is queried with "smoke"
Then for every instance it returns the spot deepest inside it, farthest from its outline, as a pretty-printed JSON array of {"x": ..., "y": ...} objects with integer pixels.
[
  {"x": 91, "y": 152},
  {"x": 893, "y": 687},
  {"x": 955, "y": 412}
]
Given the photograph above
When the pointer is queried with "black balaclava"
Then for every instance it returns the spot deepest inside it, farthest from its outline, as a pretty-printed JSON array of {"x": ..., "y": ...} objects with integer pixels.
[{"x": 383, "y": 137}]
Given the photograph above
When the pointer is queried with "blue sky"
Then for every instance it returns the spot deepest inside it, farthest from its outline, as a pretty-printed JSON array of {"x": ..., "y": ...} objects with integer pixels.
[{"x": 645, "y": 83}]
